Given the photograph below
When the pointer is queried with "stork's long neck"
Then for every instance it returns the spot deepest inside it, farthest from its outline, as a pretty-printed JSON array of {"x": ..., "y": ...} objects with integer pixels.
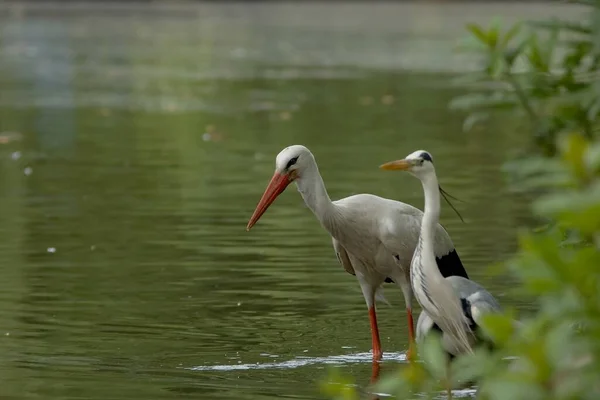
[{"x": 312, "y": 188}]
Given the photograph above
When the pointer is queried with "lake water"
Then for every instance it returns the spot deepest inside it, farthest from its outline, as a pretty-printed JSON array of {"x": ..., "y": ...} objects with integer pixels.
[{"x": 135, "y": 142}]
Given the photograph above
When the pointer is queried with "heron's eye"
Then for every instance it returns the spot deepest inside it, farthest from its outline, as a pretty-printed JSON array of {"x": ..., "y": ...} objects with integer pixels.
[{"x": 291, "y": 162}]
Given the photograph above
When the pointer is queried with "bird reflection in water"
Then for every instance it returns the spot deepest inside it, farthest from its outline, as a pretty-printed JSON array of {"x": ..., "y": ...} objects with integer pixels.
[{"x": 375, "y": 372}]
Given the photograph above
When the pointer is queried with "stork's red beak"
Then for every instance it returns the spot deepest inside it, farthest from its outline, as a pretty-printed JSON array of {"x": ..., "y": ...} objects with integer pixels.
[{"x": 277, "y": 185}]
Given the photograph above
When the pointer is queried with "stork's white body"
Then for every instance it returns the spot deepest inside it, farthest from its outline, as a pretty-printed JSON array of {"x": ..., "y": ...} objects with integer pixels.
[{"x": 375, "y": 238}]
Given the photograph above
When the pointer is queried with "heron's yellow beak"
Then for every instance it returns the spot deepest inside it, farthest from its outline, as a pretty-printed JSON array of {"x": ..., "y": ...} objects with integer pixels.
[{"x": 398, "y": 165}]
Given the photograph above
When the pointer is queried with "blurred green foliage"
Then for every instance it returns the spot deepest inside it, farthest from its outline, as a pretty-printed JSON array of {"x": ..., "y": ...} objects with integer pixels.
[{"x": 547, "y": 73}]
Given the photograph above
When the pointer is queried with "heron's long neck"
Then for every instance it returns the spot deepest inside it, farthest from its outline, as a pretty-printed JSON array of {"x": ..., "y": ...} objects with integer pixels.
[
  {"x": 431, "y": 215},
  {"x": 313, "y": 191}
]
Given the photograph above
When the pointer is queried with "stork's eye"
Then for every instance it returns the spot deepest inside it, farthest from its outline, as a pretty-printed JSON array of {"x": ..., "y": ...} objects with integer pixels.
[{"x": 291, "y": 162}]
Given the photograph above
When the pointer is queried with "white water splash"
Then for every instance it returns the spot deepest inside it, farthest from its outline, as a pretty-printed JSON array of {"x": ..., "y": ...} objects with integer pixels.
[
  {"x": 462, "y": 393},
  {"x": 303, "y": 361}
]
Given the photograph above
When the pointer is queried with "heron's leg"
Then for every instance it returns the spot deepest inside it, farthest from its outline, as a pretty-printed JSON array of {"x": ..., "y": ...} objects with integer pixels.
[
  {"x": 411, "y": 354},
  {"x": 448, "y": 380},
  {"x": 407, "y": 292}
]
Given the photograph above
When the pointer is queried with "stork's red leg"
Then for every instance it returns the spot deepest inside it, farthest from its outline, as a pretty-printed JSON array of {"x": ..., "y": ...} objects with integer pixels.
[
  {"x": 411, "y": 353},
  {"x": 375, "y": 371},
  {"x": 377, "y": 353}
]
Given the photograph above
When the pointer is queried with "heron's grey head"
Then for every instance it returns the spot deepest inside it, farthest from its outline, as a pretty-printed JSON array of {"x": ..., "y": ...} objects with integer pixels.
[{"x": 419, "y": 163}]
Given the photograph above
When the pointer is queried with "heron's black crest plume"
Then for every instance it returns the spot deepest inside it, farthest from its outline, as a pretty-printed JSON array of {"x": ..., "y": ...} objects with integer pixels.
[
  {"x": 426, "y": 156},
  {"x": 444, "y": 194}
]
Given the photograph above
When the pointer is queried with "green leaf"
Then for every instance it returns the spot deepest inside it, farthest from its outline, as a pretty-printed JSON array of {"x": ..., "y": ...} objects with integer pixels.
[
  {"x": 473, "y": 119},
  {"x": 579, "y": 210},
  {"x": 593, "y": 109},
  {"x": 551, "y": 46},
  {"x": 512, "y": 32},
  {"x": 573, "y": 27},
  {"x": 470, "y": 80},
  {"x": 592, "y": 158},
  {"x": 536, "y": 56},
  {"x": 593, "y": 3},
  {"x": 494, "y": 32},
  {"x": 578, "y": 50},
  {"x": 415, "y": 374},
  {"x": 540, "y": 264},
  {"x": 471, "y": 44},
  {"x": 392, "y": 383},
  {"x": 338, "y": 386},
  {"x": 504, "y": 389},
  {"x": 511, "y": 54},
  {"x": 472, "y": 366},
  {"x": 537, "y": 172},
  {"x": 479, "y": 33},
  {"x": 499, "y": 327},
  {"x": 558, "y": 344},
  {"x": 573, "y": 147},
  {"x": 434, "y": 356},
  {"x": 498, "y": 101}
]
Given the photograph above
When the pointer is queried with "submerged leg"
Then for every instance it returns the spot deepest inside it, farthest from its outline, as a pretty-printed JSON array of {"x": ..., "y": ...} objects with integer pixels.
[
  {"x": 375, "y": 371},
  {"x": 448, "y": 380}
]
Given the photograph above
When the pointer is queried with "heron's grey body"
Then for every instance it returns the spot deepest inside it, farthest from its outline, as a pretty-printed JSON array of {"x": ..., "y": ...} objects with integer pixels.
[{"x": 476, "y": 302}]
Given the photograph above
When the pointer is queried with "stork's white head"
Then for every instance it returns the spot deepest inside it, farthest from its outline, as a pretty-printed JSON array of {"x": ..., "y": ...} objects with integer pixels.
[
  {"x": 290, "y": 164},
  {"x": 293, "y": 160},
  {"x": 418, "y": 163}
]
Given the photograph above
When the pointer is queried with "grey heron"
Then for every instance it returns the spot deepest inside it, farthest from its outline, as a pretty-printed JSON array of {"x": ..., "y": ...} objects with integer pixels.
[{"x": 453, "y": 305}]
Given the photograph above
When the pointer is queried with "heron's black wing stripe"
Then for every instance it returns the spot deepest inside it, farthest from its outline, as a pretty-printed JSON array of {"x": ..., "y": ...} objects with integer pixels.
[{"x": 450, "y": 265}]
